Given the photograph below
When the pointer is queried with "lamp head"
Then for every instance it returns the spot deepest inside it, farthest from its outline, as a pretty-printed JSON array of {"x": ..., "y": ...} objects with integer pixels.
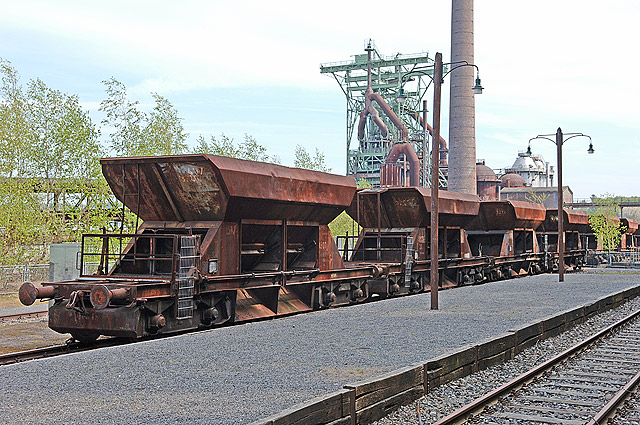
[
  {"x": 529, "y": 149},
  {"x": 477, "y": 89},
  {"x": 401, "y": 98},
  {"x": 590, "y": 150}
]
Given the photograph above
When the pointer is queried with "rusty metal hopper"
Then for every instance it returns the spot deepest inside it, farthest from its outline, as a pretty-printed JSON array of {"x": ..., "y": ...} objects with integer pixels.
[
  {"x": 503, "y": 215},
  {"x": 214, "y": 188},
  {"x": 411, "y": 207},
  {"x": 631, "y": 225},
  {"x": 573, "y": 221}
]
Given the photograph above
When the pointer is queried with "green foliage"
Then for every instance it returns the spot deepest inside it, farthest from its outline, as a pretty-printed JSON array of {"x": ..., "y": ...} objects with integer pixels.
[
  {"x": 537, "y": 197},
  {"x": 137, "y": 133},
  {"x": 604, "y": 223},
  {"x": 343, "y": 224},
  {"x": 49, "y": 169},
  {"x": 364, "y": 184},
  {"x": 614, "y": 198},
  {"x": 304, "y": 160},
  {"x": 248, "y": 149},
  {"x": 164, "y": 133}
]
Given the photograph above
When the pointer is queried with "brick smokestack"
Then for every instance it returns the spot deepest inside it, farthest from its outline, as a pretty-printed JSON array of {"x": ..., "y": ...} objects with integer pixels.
[{"x": 462, "y": 114}]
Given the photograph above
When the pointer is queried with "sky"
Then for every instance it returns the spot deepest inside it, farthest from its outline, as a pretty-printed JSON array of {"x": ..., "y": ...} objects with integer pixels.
[{"x": 252, "y": 67}]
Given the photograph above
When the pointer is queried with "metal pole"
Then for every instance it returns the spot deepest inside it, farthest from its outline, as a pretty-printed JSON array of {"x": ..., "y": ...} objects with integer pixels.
[
  {"x": 560, "y": 209},
  {"x": 435, "y": 163},
  {"x": 424, "y": 144}
]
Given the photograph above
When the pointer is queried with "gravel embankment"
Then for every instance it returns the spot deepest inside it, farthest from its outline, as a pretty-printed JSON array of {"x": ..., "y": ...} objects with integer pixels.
[
  {"x": 449, "y": 397},
  {"x": 239, "y": 374}
]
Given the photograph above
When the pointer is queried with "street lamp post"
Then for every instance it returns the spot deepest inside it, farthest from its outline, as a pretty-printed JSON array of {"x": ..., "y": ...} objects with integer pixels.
[
  {"x": 559, "y": 141},
  {"x": 437, "y": 79},
  {"x": 435, "y": 171}
]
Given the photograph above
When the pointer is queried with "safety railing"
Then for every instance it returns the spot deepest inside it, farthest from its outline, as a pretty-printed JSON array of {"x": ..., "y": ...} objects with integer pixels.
[
  {"x": 620, "y": 259},
  {"x": 373, "y": 247},
  {"x": 135, "y": 254}
]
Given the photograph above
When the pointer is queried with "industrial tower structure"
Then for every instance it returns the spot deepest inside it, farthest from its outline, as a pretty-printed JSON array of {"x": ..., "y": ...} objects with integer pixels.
[
  {"x": 462, "y": 109},
  {"x": 397, "y": 87}
]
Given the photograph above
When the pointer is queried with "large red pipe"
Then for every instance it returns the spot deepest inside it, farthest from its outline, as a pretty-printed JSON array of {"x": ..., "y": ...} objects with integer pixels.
[
  {"x": 443, "y": 143},
  {"x": 369, "y": 98},
  {"x": 412, "y": 158}
]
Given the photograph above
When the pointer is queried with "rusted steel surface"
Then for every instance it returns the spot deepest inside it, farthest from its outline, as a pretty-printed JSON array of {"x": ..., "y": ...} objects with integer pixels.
[
  {"x": 631, "y": 225},
  {"x": 501, "y": 215},
  {"x": 411, "y": 207},
  {"x": 123, "y": 321},
  {"x": 573, "y": 220},
  {"x": 28, "y": 293},
  {"x": 410, "y": 156},
  {"x": 213, "y": 188}
]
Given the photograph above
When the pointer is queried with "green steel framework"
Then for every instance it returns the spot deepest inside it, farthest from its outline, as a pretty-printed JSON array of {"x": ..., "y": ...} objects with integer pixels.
[{"x": 408, "y": 75}]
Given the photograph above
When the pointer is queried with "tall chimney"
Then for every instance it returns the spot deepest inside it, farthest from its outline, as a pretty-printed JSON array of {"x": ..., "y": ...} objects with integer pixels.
[{"x": 462, "y": 114}]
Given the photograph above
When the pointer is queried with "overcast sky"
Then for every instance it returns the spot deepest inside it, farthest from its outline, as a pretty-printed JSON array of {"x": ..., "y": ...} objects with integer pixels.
[{"x": 253, "y": 67}]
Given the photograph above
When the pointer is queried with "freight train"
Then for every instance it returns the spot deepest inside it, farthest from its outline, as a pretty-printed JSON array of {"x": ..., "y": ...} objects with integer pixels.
[{"x": 224, "y": 240}]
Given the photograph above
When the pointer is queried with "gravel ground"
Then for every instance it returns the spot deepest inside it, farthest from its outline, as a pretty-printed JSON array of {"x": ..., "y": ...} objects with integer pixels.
[
  {"x": 629, "y": 412},
  {"x": 242, "y": 373},
  {"x": 447, "y": 398}
]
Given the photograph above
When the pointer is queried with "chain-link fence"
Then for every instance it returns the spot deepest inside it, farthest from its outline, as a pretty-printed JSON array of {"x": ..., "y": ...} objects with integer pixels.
[
  {"x": 18, "y": 274},
  {"x": 624, "y": 259}
]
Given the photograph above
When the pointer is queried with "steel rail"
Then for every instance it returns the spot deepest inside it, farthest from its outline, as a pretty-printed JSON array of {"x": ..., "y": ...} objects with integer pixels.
[
  {"x": 461, "y": 415},
  {"x": 56, "y": 350},
  {"x": 17, "y": 316},
  {"x": 610, "y": 408}
]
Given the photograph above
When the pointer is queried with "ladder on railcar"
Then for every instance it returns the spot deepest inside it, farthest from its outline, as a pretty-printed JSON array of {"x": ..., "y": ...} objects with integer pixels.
[{"x": 185, "y": 277}]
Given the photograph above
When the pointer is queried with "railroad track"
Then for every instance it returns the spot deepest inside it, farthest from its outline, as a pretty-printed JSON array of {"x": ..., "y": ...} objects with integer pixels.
[
  {"x": 629, "y": 411},
  {"x": 26, "y": 315},
  {"x": 586, "y": 384},
  {"x": 56, "y": 350}
]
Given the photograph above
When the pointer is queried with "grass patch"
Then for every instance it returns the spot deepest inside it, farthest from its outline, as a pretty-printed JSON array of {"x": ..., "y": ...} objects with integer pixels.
[{"x": 10, "y": 301}]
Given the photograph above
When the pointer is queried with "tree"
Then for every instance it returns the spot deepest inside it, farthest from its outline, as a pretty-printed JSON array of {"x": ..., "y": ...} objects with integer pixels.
[
  {"x": 248, "y": 149},
  {"x": 49, "y": 159},
  {"x": 343, "y": 224},
  {"x": 14, "y": 130},
  {"x": 537, "y": 197},
  {"x": 124, "y": 118},
  {"x": 164, "y": 132},
  {"x": 136, "y": 133},
  {"x": 63, "y": 140},
  {"x": 304, "y": 160},
  {"x": 604, "y": 222}
]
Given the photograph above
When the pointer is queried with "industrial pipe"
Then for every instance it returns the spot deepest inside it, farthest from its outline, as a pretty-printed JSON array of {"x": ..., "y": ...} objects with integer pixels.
[
  {"x": 369, "y": 98},
  {"x": 412, "y": 158},
  {"x": 442, "y": 144},
  {"x": 375, "y": 116}
]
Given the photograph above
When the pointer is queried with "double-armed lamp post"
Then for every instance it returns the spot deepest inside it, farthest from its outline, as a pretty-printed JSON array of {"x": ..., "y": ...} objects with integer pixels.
[
  {"x": 437, "y": 79},
  {"x": 559, "y": 141}
]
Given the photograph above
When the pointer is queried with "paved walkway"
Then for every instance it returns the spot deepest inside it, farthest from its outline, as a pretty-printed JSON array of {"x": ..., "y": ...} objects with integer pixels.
[{"x": 239, "y": 374}]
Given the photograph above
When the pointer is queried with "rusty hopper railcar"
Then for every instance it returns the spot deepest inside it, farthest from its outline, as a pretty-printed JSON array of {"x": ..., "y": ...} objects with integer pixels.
[
  {"x": 506, "y": 232},
  {"x": 396, "y": 235},
  {"x": 627, "y": 241},
  {"x": 222, "y": 240},
  {"x": 576, "y": 234}
]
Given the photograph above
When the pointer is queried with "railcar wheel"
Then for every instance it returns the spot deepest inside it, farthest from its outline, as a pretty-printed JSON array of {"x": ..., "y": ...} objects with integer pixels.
[{"x": 85, "y": 338}]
